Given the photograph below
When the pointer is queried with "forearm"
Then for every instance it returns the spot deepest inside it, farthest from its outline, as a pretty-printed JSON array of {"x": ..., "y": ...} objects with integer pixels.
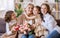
[{"x": 33, "y": 17}]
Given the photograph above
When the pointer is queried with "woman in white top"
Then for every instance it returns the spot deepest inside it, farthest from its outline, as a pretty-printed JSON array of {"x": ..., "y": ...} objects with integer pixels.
[
  {"x": 49, "y": 22},
  {"x": 10, "y": 19}
]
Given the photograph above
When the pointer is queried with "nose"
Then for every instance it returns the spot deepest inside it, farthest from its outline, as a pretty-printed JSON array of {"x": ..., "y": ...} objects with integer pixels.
[{"x": 30, "y": 9}]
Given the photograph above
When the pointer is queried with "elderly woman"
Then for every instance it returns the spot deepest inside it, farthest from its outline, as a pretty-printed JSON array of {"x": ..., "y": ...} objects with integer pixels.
[{"x": 22, "y": 18}]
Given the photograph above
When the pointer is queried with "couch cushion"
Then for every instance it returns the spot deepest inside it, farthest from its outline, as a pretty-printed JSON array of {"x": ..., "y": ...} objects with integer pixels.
[
  {"x": 2, "y": 25},
  {"x": 58, "y": 22},
  {"x": 1, "y": 34}
]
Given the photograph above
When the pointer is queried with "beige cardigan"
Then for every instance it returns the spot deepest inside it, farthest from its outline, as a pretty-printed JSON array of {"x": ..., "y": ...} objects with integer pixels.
[{"x": 39, "y": 29}]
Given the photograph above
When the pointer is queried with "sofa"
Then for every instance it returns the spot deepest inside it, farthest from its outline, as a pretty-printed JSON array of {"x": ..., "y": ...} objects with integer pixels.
[
  {"x": 58, "y": 22},
  {"x": 3, "y": 25}
]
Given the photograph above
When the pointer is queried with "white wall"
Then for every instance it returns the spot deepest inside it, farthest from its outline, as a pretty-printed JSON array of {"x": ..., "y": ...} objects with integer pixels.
[
  {"x": 6, "y": 5},
  {"x": 3, "y": 4},
  {"x": 38, "y": 2},
  {"x": 10, "y": 4}
]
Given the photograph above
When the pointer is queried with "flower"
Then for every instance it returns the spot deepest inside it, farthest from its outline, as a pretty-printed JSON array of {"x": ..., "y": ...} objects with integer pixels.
[{"x": 17, "y": 27}]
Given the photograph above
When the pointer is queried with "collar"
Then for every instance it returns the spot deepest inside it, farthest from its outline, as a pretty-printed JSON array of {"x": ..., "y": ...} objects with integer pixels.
[{"x": 46, "y": 15}]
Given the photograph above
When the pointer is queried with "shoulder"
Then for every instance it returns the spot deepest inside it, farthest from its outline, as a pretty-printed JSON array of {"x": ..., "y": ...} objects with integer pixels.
[
  {"x": 7, "y": 23},
  {"x": 50, "y": 16}
]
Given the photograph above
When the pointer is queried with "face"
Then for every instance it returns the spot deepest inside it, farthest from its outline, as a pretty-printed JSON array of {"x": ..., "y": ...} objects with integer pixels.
[
  {"x": 44, "y": 9},
  {"x": 35, "y": 11},
  {"x": 29, "y": 9},
  {"x": 13, "y": 16}
]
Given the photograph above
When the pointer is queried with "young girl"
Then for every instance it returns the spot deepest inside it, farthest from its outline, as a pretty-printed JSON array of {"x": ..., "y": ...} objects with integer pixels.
[
  {"x": 10, "y": 19},
  {"x": 39, "y": 29}
]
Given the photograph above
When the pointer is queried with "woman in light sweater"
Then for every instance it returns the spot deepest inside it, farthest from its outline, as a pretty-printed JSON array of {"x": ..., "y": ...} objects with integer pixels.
[{"x": 49, "y": 22}]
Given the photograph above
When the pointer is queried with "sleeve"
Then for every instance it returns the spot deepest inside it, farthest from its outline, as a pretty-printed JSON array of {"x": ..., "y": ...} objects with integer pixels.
[
  {"x": 7, "y": 29},
  {"x": 20, "y": 19},
  {"x": 50, "y": 23}
]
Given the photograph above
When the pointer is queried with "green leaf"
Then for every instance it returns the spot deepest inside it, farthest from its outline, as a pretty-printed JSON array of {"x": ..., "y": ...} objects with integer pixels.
[{"x": 56, "y": 0}]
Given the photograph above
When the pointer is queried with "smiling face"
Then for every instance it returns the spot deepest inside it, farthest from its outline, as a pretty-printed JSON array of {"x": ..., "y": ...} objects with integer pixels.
[
  {"x": 44, "y": 9},
  {"x": 13, "y": 16},
  {"x": 29, "y": 9},
  {"x": 35, "y": 11}
]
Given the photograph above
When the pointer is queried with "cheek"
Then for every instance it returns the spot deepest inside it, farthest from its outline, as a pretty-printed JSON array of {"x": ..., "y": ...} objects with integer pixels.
[
  {"x": 34, "y": 11},
  {"x": 45, "y": 11},
  {"x": 26, "y": 9},
  {"x": 13, "y": 17},
  {"x": 42, "y": 10}
]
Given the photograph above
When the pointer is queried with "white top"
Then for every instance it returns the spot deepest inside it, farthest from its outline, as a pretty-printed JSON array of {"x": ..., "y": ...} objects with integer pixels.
[
  {"x": 57, "y": 28},
  {"x": 8, "y": 32},
  {"x": 49, "y": 23},
  {"x": 29, "y": 22}
]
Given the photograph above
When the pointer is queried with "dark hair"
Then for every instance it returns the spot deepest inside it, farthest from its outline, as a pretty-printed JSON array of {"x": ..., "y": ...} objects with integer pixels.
[
  {"x": 48, "y": 8},
  {"x": 39, "y": 9},
  {"x": 8, "y": 16}
]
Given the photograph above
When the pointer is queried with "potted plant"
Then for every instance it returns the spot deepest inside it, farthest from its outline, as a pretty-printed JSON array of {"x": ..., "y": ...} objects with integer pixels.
[{"x": 18, "y": 9}]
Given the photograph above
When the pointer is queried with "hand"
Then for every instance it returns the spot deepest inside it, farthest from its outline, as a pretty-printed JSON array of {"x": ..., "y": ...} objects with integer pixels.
[
  {"x": 21, "y": 30},
  {"x": 25, "y": 23},
  {"x": 25, "y": 32},
  {"x": 13, "y": 29},
  {"x": 29, "y": 29},
  {"x": 34, "y": 25}
]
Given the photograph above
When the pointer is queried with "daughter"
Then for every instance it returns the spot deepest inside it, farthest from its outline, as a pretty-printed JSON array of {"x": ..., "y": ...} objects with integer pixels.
[
  {"x": 39, "y": 29},
  {"x": 10, "y": 19}
]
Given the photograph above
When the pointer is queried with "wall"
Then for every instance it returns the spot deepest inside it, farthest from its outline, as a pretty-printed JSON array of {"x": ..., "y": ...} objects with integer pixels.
[{"x": 6, "y": 5}]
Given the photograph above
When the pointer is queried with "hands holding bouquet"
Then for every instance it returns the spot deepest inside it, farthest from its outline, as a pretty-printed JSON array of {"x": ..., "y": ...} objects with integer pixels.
[
  {"x": 25, "y": 28},
  {"x": 22, "y": 28}
]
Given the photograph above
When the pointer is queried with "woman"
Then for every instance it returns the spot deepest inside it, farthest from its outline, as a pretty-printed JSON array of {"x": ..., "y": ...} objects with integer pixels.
[
  {"x": 49, "y": 22},
  {"x": 55, "y": 33},
  {"x": 22, "y": 19}
]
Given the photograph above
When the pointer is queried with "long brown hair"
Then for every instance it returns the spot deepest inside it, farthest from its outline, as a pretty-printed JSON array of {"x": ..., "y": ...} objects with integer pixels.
[
  {"x": 48, "y": 8},
  {"x": 8, "y": 16}
]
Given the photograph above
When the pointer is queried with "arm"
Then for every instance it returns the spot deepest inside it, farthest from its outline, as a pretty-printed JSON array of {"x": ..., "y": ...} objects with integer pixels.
[
  {"x": 49, "y": 23},
  {"x": 7, "y": 29},
  {"x": 20, "y": 19},
  {"x": 33, "y": 17}
]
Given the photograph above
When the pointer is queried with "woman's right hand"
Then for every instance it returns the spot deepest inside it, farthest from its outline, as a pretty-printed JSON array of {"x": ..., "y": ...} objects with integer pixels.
[{"x": 13, "y": 28}]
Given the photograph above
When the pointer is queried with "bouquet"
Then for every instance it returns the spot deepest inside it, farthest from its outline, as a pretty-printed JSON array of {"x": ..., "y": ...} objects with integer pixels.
[{"x": 25, "y": 28}]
